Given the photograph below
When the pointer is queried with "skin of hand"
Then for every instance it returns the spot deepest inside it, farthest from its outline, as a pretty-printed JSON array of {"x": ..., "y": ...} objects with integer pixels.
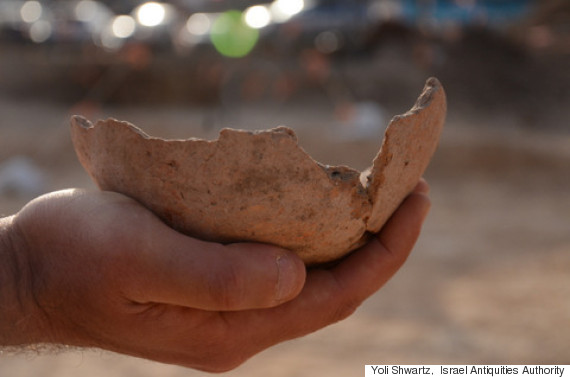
[{"x": 96, "y": 269}]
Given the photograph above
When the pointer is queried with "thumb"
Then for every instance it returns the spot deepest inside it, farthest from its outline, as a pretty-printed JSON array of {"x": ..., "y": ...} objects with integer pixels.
[{"x": 188, "y": 272}]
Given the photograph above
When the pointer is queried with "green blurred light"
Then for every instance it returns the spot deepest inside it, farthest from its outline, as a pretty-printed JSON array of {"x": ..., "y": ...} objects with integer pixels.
[{"x": 231, "y": 36}]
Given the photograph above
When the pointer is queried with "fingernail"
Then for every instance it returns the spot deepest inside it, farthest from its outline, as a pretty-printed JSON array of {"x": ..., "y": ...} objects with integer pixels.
[
  {"x": 426, "y": 209},
  {"x": 287, "y": 278},
  {"x": 422, "y": 187}
]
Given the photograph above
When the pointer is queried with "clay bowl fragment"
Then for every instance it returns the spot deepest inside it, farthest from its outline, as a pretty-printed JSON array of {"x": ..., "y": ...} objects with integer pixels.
[{"x": 261, "y": 186}]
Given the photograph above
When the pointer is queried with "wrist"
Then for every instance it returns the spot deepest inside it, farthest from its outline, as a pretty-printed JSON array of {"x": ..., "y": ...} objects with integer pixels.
[{"x": 18, "y": 318}]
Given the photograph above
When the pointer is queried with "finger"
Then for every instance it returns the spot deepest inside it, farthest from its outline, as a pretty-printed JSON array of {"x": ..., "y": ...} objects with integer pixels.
[
  {"x": 403, "y": 229},
  {"x": 328, "y": 296},
  {"x": 175, "y": 269},
  {"x": 422, "y": 187},
  {"x": 332, "y": 295}
]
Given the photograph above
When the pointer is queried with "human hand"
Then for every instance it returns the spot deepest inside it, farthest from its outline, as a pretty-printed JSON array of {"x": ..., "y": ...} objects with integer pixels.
[{"x": 96, "y": 269}]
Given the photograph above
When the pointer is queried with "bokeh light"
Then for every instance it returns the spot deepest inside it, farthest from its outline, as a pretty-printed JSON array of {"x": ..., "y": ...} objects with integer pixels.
[
  {"x": 257, "y": 16},
  {"x": 199, "y": 24},
  {"x": 123, "y": 26},
  {"x": 151, "y": 14},
  {"x": 231, "y": 36},
  {"x": 327, "y": 42},
  {"x": 40, "y": 31},
  {"x": 283, "y": 10},
  {"x": 85, "y": 10},
  {"x": 31, "y": 11}
]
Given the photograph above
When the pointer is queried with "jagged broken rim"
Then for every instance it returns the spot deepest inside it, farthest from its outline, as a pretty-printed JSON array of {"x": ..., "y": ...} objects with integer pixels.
[{"x": 260, "y": 185}]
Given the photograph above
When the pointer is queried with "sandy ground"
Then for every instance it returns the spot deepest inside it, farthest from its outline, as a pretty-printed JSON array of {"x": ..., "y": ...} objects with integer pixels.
[{"x": 488, "y": 281}]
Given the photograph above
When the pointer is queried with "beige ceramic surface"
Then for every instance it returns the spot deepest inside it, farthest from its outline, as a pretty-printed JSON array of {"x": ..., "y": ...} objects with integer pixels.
[{"x": 261, "y": 186}]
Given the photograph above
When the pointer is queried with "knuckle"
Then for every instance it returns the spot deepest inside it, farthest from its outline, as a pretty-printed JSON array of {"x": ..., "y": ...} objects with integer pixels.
[
  {"x": 344, "y": 310},
  {"x": 346, "y": 302}
]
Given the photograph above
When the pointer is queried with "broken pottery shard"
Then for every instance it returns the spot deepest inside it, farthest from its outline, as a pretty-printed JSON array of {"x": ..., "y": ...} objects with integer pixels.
[
  {"x": 409, "y": 143},
  {"x": 261, "y": 186}
]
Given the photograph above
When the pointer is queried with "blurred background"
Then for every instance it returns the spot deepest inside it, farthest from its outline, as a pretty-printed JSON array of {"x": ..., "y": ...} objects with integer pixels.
[{"x": 489, "y": 280}]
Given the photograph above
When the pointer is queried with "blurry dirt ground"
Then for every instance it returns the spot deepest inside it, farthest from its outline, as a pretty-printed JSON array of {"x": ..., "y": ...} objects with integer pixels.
[{"x": 488, "y": 281}]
